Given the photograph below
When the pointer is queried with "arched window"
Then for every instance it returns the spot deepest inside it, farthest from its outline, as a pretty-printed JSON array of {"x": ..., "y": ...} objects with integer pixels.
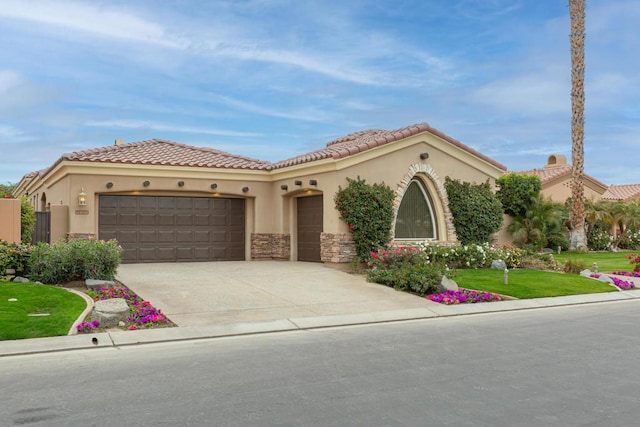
[{"x": 415, "y": 216}]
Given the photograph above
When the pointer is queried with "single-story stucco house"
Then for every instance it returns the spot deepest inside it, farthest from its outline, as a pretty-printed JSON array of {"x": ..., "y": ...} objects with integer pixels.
[{"x": 165, "y": 201}]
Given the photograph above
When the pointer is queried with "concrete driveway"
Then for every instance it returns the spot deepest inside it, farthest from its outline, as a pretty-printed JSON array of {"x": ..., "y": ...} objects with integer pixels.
[{"x": 194, "y": 294}]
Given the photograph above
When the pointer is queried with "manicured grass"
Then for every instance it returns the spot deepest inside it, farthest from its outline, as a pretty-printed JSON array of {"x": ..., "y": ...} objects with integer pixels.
[
  {"x": 15, "y": 323},
  {"x": 525, "y": 283},
  {"x": 607, "y": 261}
]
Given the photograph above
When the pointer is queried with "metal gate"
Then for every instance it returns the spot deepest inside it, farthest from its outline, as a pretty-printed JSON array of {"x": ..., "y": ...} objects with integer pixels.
[{"x": 42, "y": 230}]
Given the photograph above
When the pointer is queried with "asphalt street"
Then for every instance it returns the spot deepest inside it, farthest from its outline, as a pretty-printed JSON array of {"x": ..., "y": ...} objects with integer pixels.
[{"x": 565, "y": 366}]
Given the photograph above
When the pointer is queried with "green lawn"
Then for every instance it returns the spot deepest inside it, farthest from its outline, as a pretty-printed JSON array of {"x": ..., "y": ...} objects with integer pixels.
[
  {"x": 607, "y": 261},
  {"x": 525, "y": 283},
  {"x": 15, "y": 323}
]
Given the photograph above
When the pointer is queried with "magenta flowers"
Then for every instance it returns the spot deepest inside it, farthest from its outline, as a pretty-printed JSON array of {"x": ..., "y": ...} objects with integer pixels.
[
  {"x": 141, "y": 313},
  {"x": 464, "y": 296},
  {"x": 88, "y": 326}
]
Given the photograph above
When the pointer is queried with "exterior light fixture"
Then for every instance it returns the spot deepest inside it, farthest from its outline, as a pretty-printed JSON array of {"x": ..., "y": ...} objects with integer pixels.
[
  {"x": 180, "y": 183},
  {"x": 313, "y": 182},
  {"x": 297, "y": 182},
  {"x": 214, "y": 185},
  {"x": 146, "y": 183},
  {"x": 245, "y": 189},
  {"x": 284, "y": 187},
  {"x": 424, "y": 156},
  {"x": 82, "y": 198}
]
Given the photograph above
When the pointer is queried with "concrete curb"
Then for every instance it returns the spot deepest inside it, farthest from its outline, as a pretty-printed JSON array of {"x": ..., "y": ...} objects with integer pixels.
[
  {"x": 148, "y": 336},
  {"x": 74, "y": 328}
]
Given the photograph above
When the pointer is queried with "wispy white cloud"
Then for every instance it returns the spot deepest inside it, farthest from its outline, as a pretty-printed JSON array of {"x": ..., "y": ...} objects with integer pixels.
[
  {"x": 139, "y": 124},
  {"x": 307, "y": 114},
  {"x": 9, "y": 134},
  {"x": 92, "y": 18},
  {"x": 8, "y": 80}
]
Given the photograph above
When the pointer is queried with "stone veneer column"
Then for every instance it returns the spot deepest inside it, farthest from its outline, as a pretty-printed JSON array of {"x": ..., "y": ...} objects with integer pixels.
[
  {"x": 442, "y": 195},
  {"x": 337, "y": 248},
  {"x": 80, "y": 236},
  {"x": 270, "y": 246}
]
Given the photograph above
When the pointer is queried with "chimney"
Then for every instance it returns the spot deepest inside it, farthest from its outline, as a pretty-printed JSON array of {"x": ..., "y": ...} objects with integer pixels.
[{"x": 119, "y": 141}]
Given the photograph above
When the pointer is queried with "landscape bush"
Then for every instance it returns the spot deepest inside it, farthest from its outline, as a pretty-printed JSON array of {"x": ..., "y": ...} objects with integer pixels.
[
  {"x": 574, "y": 266},
  {"x": 13, "y": 256},
  {"x": 405, "y": 269},
  {"x": 63, "y": 261},
  {"x": 476, "y": 211},
  {"x": 368, "y": 211}
]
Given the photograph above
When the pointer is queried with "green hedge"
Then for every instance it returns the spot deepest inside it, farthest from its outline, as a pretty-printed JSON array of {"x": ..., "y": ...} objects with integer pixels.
[
  {"x": 76, "y": 260},
  {"x": 13, "y": 255}
]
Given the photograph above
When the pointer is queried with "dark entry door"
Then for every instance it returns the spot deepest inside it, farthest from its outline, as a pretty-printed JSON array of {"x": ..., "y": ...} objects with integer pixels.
[
  {"x": 42, "y": 230},
  {"x": 309, "y": 228}
]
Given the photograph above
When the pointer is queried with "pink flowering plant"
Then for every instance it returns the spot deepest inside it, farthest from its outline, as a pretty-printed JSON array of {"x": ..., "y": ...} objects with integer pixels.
[
  {"x": 624, "y": 285},
  {"x": 463, "y": 296},
  {"x": 86, "y": 327},
  {"x": 634, "y": 259},
  {"x": 142, "y": 314},
  {"x": 627, "y": 273}
]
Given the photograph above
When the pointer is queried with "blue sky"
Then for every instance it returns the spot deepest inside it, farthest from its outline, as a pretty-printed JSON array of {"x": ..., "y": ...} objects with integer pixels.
[{"x": 271, "y": 79}]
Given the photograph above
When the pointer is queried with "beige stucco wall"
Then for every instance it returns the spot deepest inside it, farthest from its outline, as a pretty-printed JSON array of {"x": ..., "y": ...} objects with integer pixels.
[
  {"x": 560, "y": 190},
  {"x": 10, "y": 220}
]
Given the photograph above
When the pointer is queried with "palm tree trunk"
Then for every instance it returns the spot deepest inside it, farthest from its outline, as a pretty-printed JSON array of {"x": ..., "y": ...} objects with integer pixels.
[{"x": 577, "y": 14}]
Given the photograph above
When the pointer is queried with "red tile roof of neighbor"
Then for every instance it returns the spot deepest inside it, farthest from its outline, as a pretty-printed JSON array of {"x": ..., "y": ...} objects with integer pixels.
[
  {"x": 622, "y": 192},
  {"x": 549, "y": 174},
  {"x": 161, "y": 152}
]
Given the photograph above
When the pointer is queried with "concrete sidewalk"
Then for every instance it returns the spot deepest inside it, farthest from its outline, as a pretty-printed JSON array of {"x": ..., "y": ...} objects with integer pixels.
[{"x": 126, "y": 338}]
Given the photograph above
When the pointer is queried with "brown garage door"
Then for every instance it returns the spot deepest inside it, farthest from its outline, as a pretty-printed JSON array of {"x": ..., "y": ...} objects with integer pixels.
[
  {"x": 169, "y": 229},
  {"x": 309, "y": 228}
]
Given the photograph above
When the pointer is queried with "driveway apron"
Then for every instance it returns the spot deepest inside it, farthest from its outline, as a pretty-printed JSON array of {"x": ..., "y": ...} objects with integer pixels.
[{"x": 206, "y": 293}]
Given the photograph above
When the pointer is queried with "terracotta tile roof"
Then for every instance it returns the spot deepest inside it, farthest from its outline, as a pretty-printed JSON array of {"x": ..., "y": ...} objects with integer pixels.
[
  {"x": 161, "y": 152},
  {"x": 622, "y": 192},
  {"x": 549, "y": 174},
  {"x": 358, "y": 142}
]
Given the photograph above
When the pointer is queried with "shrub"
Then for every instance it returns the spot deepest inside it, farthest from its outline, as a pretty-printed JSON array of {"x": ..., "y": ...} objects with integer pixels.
[
  {"x": 368, "y": 211},
  {"x": 13, "y": 255},
  {"x": 517, "y": 192},
  {"x": 630, "y": 239},
  {"x": 476, "y": 211},
  {"x": 77, "y": 260},
  {"x": 544, "y": 262},
  {"x": 599, "y": 239},
  {"x": 634, "y": 259},
  {"x": 405, "y": 269},
  {"x": 27, "y": 220},
  {"x": 573, "y": 265},
  {"x": 471, "y": 256}
]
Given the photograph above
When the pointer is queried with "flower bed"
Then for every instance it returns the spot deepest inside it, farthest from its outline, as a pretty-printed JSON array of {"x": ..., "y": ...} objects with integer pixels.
[
  {"x": 627, "y": 273},
  {"x": 619, "y": 283},
  {"x": 142, "y": 314},
  {"x": 464, "y": 296}
]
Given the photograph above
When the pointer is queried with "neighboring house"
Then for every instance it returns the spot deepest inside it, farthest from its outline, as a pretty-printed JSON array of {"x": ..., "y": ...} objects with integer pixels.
[
  {"x": 165, "y": 202},
  {"x": 556, "y": 179},
  {"x": 622, "y": 193}
]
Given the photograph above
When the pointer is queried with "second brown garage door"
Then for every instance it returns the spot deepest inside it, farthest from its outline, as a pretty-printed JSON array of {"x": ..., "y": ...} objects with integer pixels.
[{"x": 169, "y": 229}]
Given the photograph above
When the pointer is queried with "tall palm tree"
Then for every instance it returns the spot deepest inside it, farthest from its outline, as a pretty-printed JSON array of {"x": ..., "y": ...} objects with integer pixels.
[{"x": 577, "y": 12}]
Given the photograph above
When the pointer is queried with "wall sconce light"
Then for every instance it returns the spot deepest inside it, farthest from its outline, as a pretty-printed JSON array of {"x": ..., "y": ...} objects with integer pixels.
[
  {"x": 180, "y": 183},
  {"x": 313, "y": 182},
  {"x": 245, "y": 189},
  {"x": 284, "y": 187},
  {"x": 297, "y": 182},
  {"x": 109, "y": 184},
  {"x": 82, "y": 198},
  {"x": 424, "y": 156},
  {"x": 214, "y": 186},
  {"x": 146, "y": 183}
]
